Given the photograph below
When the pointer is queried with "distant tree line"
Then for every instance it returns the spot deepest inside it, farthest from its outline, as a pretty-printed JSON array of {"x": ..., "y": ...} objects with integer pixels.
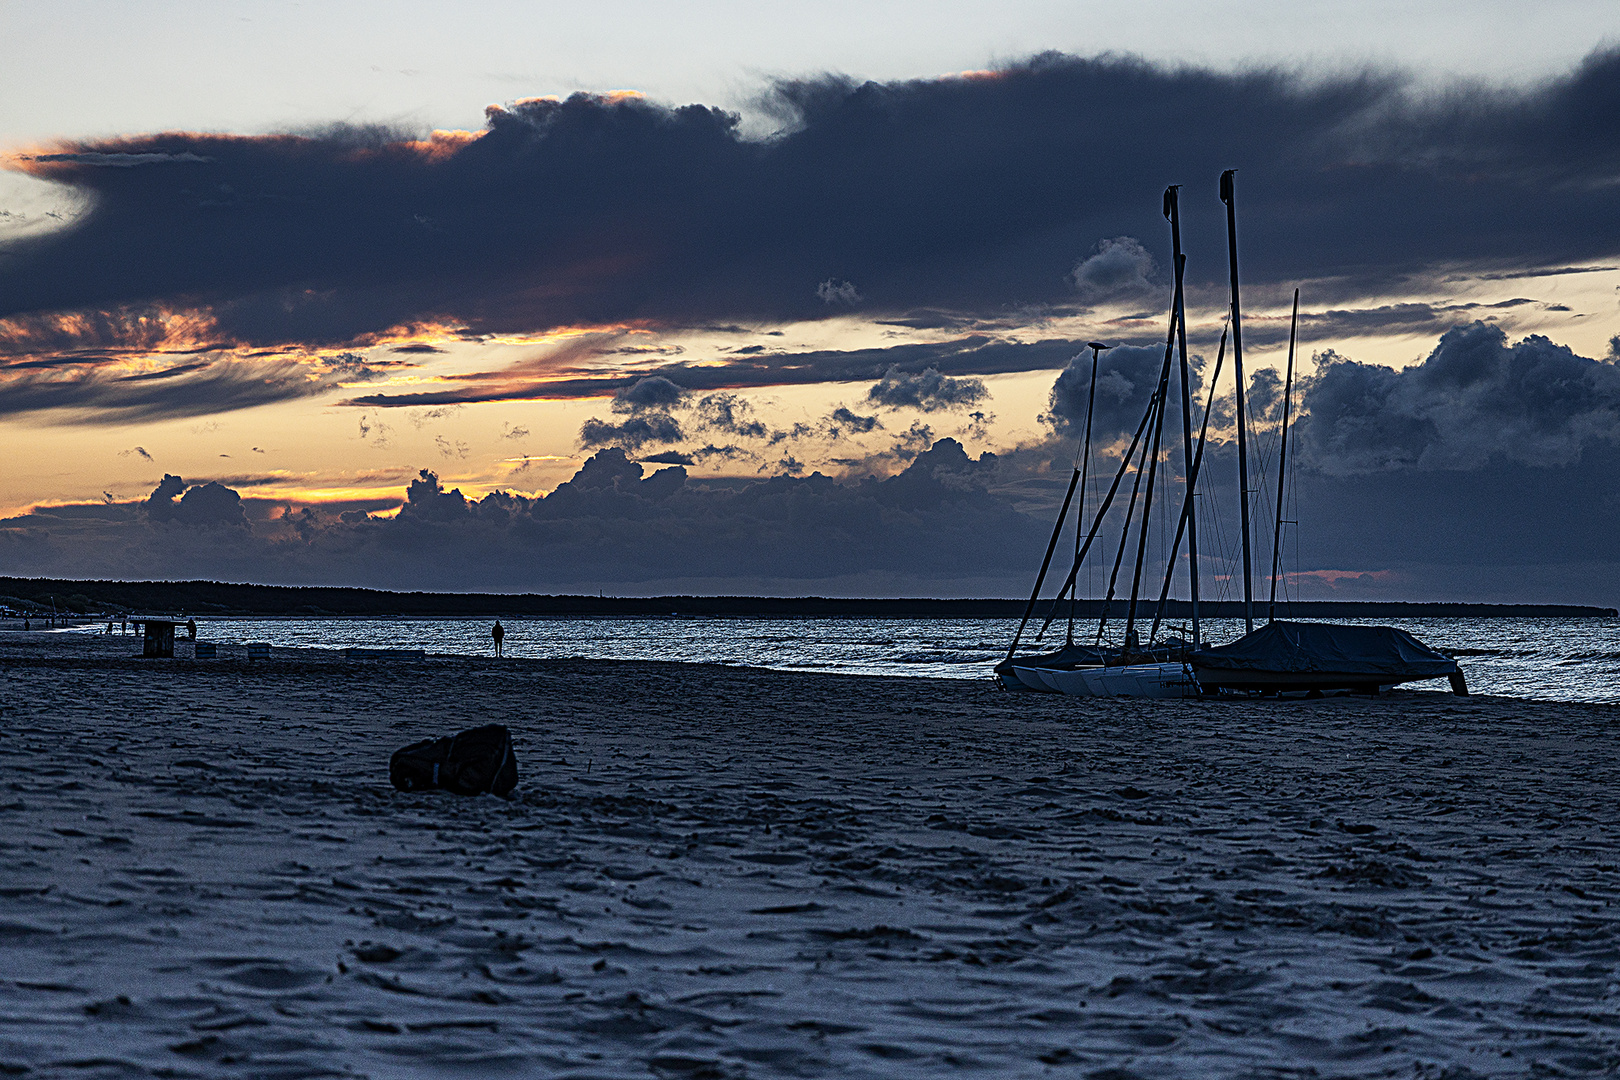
[{"x": 30, "y": 595}]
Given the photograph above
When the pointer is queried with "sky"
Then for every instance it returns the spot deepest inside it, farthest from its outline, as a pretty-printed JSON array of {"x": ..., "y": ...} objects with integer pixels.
[{"x": 794, "y": 300}]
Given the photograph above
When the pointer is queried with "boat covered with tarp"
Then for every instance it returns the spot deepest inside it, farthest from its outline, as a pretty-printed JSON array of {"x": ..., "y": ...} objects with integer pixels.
[{"x": 1321, "y": 656}]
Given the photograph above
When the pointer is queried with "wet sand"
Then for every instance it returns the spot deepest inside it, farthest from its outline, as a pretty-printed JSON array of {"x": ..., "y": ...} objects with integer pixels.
[{"x": 723, "y": 872}]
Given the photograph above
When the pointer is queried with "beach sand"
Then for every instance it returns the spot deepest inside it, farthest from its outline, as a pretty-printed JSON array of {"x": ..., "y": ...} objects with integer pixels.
[{"x": 719, "y": 872}]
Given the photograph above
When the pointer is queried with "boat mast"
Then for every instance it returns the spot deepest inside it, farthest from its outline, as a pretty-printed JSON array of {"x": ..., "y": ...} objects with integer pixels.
[
  {"x": 1172, "y": 210},
  {"x": 1155, "y": 407},
  {"x": 1102, "y": 514},
  {"x": 1153, "y": 461},
  {"x": 1051, "y": 546},
  {"x": 1229, "y": 197},
  {"x": 1188, "y": 507},
  {"x": 1282, "y": 463},
  {"x": 1096, "y": 347}
]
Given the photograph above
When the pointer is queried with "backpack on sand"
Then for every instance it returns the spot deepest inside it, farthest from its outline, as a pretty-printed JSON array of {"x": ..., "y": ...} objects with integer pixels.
[{"x": 474, "y": 762}]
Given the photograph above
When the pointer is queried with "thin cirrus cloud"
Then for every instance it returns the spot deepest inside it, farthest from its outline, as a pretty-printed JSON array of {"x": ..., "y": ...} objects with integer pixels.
[{"x": 956, "y": 194}]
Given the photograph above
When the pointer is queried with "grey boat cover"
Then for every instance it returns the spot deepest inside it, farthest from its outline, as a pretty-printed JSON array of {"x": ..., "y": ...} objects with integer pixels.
[{"x": 1328, "y": 648}]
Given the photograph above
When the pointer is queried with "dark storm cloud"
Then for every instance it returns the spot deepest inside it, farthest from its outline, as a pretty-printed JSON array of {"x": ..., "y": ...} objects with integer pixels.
[
  {"x": 1474, "y": 403},
  {"x": 971, "y": 195}
]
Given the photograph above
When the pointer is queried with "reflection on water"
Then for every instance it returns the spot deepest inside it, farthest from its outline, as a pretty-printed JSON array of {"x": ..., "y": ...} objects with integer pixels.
[{"x": 1551, "y": 659}]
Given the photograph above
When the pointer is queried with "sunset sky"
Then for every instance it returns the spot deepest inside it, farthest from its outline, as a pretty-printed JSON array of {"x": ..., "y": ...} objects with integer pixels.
[{"x": 270, "y": 271}]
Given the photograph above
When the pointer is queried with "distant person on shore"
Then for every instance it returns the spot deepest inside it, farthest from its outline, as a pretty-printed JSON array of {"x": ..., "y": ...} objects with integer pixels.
[
  {"x": 191, "y": 629},
  {"x": 499, "y": 634}
]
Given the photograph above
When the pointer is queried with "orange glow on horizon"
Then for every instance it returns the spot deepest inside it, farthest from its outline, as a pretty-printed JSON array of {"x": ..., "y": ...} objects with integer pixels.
[{"x": 443, "y": 143}]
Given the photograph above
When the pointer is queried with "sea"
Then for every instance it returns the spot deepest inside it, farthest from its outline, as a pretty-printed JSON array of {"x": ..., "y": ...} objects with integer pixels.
[{"x": 1550, "y": 659}]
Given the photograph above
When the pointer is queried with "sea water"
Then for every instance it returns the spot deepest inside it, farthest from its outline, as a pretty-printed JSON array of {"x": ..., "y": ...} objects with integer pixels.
[{"x": 1549, "y": 659}]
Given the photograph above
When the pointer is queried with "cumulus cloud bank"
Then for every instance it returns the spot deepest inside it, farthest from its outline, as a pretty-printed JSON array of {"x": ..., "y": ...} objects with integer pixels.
[
  {"x": 1126, "y": 378},
  {"x": 1473, "y": 402},
  {"x": 935, "y": 523}
]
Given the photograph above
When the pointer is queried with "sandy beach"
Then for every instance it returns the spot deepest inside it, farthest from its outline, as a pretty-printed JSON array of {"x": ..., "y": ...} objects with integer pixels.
[{"x": 727, "y": 872}]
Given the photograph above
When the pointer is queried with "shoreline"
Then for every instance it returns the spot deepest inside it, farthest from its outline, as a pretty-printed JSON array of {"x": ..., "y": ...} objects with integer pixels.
[
  {"x": 100, "y": 648},
  {"x": 212, "y": 598}
]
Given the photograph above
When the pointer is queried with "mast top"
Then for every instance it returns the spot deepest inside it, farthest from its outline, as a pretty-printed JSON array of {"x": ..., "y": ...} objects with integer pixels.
[
  {"x": 1097, "y": 346},
  {"x": 1170, "y": 198},
  {"x": 1226, "y": 186}
]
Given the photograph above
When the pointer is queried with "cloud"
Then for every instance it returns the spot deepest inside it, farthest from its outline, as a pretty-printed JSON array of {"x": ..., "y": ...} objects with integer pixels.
[
  {"x": 940, "y": 195},
  {"x": 422, "y": 419},
  {"x": 448, "y": 449},
  {"x": 373, "y": 429},
  {"x": 927, "y": 390},
  {"x": 208, "y": 505},
  {"x": 833, "y": 291},
  {"x": 1126, "y": 378},
  {"x": 115, "y": 160},
  {"x": 974, "y": 354},
  {"x": 1474, "y": 402},
  {"x": 843, "y": 420},
  {"x": 730, "y": 414},
  {"x": 944, "y": 525},
  {"x": 85, "y": 388},
  {"x": 633, "y": 433},
  {"x": 653, "y": 392},
  {"x": 1121, "y": 266},
  {"x": 613, "y": 522},
  {"x": 138, "y": 451},
  {"x": 668, "y": 457}
]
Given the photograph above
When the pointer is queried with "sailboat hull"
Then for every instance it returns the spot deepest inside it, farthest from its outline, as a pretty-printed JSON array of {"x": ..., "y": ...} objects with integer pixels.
[
  {"x": 1161, "y": 680},
  {"x": 1028, "y": 678}
]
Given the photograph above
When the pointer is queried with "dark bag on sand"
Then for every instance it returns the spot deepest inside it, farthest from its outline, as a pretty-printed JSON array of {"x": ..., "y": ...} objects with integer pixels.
[{"x": 475, "y": 762}]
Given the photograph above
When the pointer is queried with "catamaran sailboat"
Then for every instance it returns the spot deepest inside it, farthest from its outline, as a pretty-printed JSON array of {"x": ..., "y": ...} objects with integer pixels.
[
  {"x": 1158, "y": 669},
  {"x": 1280, "y": 657}
]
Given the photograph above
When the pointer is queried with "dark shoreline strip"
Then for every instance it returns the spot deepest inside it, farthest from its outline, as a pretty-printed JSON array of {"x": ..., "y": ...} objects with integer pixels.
[{"x": 221, "y": 598}]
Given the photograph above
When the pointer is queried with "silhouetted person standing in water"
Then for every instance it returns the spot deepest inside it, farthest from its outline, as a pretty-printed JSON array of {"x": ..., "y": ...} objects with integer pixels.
[{"x": 499, "y": 634}]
